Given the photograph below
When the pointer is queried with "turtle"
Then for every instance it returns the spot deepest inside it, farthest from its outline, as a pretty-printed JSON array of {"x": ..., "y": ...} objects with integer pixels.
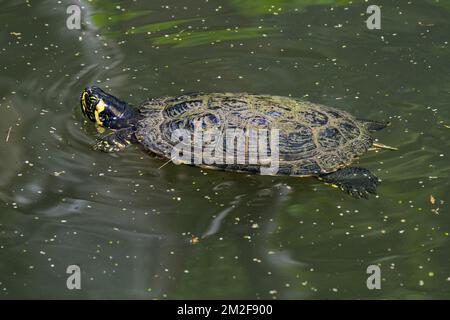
[{"x": 313, "y": 140}]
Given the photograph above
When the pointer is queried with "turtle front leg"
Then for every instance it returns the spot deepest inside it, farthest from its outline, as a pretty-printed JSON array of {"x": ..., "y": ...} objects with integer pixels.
[
  {"x": 357, "y": 182},
  {"x": 116, "y": 141}
]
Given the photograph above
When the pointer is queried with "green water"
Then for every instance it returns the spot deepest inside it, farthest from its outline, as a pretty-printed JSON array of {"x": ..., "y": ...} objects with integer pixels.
[{"x": 129, "y": 224}]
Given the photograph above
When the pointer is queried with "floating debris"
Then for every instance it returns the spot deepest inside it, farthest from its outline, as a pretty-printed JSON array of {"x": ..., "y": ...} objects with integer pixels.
[
  {"x": 432, "y": 199},
  {"x": 194, "y": 240},
  {"x": 7, "y": 135}
]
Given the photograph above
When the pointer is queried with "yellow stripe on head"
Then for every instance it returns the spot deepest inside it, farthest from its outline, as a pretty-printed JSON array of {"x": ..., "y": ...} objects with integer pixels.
[
  {"x": 83, "y": 100},
  {"x": 98, "y": 109}
]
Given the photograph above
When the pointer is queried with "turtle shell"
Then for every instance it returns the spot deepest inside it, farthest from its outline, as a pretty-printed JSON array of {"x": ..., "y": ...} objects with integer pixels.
[{"x": 313, "y": 139}]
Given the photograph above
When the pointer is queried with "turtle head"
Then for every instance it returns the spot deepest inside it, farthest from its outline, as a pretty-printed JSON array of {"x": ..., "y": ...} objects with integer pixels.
[{"x": 105, "y": 109}]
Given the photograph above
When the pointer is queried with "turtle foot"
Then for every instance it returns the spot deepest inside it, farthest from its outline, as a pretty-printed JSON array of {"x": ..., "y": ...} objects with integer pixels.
[{"x": 357, "y": 182}]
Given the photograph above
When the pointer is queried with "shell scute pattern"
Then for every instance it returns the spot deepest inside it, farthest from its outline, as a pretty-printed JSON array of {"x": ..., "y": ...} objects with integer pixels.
[
  {"x": 329, "y": 161},
  {"x": 330, "y": 138},
  {"x": 313, "y": 138},
  {"x": 258, "y": 121},
  {"x": 296, "y": 144},
  {"x": 349, "y": 130},
  {"x": 314, "y": 117},
  {"x": 274, "y": 114},
  {"x": 181, "y": 107}
]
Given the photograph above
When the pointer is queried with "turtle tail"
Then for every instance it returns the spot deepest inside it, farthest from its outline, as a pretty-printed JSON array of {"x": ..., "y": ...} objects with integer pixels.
[{"x": 372, "y": 125}]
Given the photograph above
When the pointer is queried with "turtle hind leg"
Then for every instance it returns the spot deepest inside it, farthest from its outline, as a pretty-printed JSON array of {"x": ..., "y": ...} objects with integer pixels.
[
  {"x": 372, "y": 125},
  {"x": 116, "y": 141},
  {"x": 357, "y": 182}
]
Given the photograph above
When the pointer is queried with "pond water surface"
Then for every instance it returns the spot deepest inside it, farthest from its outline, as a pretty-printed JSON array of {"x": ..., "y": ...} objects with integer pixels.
[{"x": 129, "y": 224}]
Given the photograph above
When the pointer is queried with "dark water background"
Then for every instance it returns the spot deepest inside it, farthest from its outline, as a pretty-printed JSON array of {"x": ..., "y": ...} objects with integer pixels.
[{"x": 128, "y": 224}]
